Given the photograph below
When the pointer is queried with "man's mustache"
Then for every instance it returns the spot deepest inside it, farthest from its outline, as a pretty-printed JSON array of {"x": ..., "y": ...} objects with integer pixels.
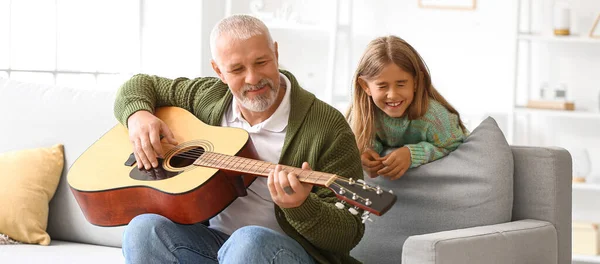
[{"x": 263, "y": 82}]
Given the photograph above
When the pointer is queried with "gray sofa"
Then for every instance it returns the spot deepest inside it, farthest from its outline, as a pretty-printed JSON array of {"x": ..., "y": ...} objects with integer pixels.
[
  {"x": 539, "y": 230},
  {"x": 40, "y": 116}
]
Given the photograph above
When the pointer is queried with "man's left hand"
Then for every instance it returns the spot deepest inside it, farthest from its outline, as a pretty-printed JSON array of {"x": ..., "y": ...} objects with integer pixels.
[{"x": 285, "y": 188}]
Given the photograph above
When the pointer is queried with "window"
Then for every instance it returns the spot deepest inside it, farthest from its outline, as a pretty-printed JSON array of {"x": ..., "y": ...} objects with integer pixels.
[
  {"x": 99, "y": 43},
  {"x": 94, "y": 43}
]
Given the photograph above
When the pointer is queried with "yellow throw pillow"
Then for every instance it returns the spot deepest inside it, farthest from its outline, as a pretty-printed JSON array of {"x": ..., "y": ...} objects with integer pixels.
[{"x": 28, "y": 180}]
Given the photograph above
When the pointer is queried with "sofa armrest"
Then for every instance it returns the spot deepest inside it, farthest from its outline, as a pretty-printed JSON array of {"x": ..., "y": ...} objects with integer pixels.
[{"x": 524, "y": 241}]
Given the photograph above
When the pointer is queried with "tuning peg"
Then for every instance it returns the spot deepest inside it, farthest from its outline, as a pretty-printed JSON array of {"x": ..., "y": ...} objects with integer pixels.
[
  {"x": 366, "y": 217},
  {"x": 342, "y": 190},
  {"x": 339, "y": 205},
  {"x": 391, "y": 192},
  {"x": 365, "y": 186},
  {"x": 353, "y": 210},
  {"x": 378, "y": 190},
  {"x": 351, "y": 181},
  {"x": 368, "y": 202},
  {"x": 354, "y": 196}
]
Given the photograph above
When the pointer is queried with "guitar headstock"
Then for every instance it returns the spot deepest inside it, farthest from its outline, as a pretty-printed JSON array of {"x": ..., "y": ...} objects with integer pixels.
[{"x": 372, "y": 199}]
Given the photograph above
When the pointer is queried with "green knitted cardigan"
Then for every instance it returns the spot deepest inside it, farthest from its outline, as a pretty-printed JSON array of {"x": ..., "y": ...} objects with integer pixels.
[
  {"x": 430, "y": 137},
  {"x": 316, "y": 133}
]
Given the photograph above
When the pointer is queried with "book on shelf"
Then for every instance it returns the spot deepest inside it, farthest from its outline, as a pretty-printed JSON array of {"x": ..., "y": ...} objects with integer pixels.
[{"x": 549, "y": 104}]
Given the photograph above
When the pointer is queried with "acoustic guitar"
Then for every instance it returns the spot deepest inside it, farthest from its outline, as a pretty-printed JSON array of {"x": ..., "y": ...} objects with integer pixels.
[{"x": 195, "y": 180}]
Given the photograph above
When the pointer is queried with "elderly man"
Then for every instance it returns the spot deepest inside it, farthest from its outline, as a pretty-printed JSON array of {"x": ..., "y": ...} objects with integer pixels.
[{"x": 281, "y": 220}]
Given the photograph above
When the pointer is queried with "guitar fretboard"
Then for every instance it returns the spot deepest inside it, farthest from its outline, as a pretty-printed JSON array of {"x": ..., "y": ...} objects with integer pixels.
[{"x": 260, "y": 168}]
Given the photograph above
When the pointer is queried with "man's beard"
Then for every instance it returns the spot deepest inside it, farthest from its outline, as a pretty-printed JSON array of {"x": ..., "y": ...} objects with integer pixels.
[{"x": 261, "y": 102}]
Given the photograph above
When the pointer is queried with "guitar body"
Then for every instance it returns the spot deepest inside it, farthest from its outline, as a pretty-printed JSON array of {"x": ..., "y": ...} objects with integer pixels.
[{"x": 111, "y": 192}]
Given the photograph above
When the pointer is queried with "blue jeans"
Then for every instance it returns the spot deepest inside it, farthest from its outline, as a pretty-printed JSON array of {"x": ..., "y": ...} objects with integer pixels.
[{"x": 151, "y": 238}]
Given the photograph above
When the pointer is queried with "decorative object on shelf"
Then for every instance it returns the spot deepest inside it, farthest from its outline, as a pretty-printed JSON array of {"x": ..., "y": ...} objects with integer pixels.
[
  {"x": 562, "y": 19},
  {"x": 555, "y": 100},
  {"x": 449, "y": 4},
  {"x": 544, "y": 91},
  {"x": 586, "y": 238},
  {"x": 595, "y": 32},
  {"x": 578, "y": 179},
  {"x": 581, "y": 163},
  {"x": 551, "y": 104},
  {"x": 560, "y": 92}
]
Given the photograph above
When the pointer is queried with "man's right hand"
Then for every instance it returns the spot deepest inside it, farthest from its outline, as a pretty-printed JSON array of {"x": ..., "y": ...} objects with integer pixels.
[
  {"x": 145, "y": 130},
  {"x": 371, "y": 162}
]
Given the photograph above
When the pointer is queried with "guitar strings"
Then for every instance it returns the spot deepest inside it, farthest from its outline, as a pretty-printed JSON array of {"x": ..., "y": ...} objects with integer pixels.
[
  {"x": 218, "y": 157},
  {"x": 241, "y": 163}
]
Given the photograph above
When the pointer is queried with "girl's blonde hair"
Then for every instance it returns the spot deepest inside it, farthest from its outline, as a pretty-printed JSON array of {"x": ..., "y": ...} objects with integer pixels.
[{"x": 379, "y": 53}]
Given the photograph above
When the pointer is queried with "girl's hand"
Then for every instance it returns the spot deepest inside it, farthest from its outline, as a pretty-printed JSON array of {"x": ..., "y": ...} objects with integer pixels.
[
  {"x": 396, "y": 163},
  {"x": 371, "y": 162},
  {"x": 285, "y": 188}
]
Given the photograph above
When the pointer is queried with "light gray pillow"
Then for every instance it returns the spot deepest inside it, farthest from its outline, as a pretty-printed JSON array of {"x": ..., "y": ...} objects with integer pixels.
[{"x": 472, "y": 186}]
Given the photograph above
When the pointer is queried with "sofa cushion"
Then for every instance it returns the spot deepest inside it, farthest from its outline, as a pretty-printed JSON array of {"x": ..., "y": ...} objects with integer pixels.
[
  {"x": 472, "y": 186},
  {"x": 41, "y": 115},
  {"x": 28, "y": 180}
]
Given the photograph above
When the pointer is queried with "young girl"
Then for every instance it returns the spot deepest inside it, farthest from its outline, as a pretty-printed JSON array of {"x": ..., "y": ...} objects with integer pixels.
[{"x": 396, "y": 106}]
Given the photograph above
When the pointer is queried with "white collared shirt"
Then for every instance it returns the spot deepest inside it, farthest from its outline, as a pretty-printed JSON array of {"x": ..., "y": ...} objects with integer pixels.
[{"x": 267, "y": 137}]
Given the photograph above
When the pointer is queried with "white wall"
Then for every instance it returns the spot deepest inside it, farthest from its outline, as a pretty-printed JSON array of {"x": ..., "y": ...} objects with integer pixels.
[
  {"x": 172, "y": 39},
  {"x": 469, "y": 53}
]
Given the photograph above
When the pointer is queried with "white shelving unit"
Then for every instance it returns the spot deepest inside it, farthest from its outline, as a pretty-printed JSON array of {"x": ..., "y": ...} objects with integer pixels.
[
  {"x": 553, "y": 38},
  {"x": 557, "y": 113},
  {"x": 584, "y": 195},
  {"x": 528, "y": 38}
]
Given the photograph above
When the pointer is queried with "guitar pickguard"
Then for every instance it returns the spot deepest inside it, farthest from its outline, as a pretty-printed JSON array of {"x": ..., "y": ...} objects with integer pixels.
[{"x": 153, "y": 174}]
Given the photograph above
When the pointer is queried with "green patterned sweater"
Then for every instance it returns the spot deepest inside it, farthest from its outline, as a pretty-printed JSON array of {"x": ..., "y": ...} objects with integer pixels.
[
  {"x": 316, "y": 133},
  {"x": 433, "y": 136}
]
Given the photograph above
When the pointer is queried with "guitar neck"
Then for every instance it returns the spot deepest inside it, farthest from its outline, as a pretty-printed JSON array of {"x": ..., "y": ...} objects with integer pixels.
[{"x": 260, "y": 168}]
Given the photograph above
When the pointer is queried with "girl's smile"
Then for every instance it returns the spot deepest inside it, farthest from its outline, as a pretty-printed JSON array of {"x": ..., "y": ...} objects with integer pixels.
[{"x": 394, "y": 104}]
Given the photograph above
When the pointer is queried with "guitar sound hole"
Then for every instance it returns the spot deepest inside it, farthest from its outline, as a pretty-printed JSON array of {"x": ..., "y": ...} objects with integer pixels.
[{"x": 186, "y": 158}]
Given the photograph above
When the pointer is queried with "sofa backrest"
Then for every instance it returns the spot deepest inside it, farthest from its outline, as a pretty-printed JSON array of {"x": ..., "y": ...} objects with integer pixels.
[
  {"x": 543, "y": 189},
  {"x": 33, "y": 116}
]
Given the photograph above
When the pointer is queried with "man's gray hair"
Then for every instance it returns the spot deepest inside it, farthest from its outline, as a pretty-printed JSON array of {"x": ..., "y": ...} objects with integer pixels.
[{"x": 239, "y": 27}]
